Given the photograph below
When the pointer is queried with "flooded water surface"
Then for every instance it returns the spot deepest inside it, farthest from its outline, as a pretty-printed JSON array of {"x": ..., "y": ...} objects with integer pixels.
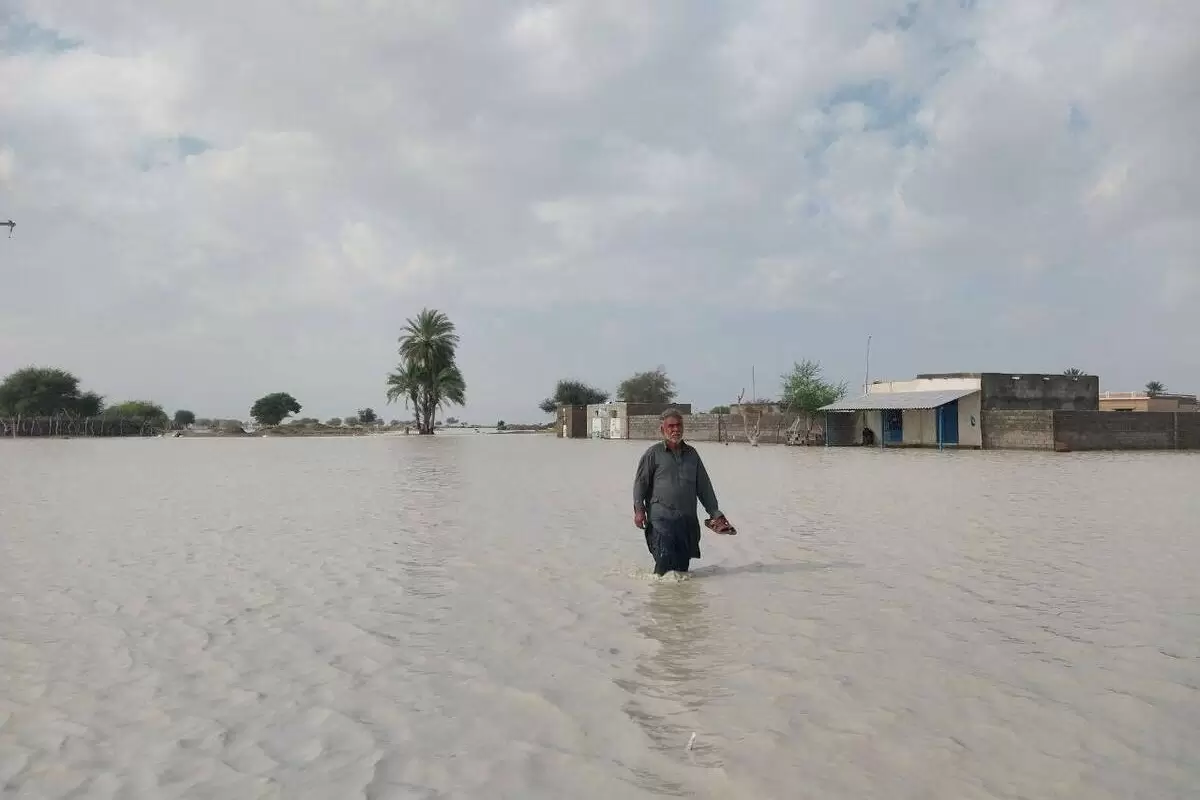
[{"x": 473, "y": 617}]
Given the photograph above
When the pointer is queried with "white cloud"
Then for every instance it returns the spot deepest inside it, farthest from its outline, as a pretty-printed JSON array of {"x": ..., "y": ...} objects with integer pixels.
[
  {"x": 571, "y": 46},
  {"x": 906, "y": 166}
]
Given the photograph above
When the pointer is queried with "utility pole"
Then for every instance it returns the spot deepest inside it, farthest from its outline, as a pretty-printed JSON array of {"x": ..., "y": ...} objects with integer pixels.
[
  {"x": 10, "y": 225},
  {"x": 753, "y": 391},
  {"x": 867, "y": 373}
]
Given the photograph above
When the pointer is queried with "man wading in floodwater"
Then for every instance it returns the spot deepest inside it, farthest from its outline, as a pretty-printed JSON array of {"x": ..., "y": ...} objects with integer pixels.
[{"x": 670, "y": 479}]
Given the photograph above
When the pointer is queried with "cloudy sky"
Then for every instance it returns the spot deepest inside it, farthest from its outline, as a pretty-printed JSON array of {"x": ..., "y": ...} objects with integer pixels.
[{"x": 219, "y": 200}]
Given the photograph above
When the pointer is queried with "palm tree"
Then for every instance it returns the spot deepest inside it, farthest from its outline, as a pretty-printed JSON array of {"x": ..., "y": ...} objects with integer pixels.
[
  {"x": 1155, "y": 388},
  {"x": 1073, "y": 372},
  {"x": 428, "y": 376},
  {"x": 444, "y": 388},
  {"x": 405, "y": 383},
  {"x": 429, "y": 339}
]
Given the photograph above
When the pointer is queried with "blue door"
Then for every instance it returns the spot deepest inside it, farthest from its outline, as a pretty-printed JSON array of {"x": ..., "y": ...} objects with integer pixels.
[
  {"x": 893, "y": 426},
  {"x": 948, "y": 422}
]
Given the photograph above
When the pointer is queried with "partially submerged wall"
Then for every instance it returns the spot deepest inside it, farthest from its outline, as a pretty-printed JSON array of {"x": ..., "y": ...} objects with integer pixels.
[
  {"x": 772, "y": 428},
  {"x": 1018, "y": 430},
  {"x": 1091, "y": 430},
  {"x": 1187, "y": 430},
  {"x": 1118, "y": 430},
  {"x": 1001, "y": 430}
]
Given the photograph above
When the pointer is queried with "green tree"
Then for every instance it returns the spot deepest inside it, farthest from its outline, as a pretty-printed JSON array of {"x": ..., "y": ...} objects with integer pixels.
[
  {"x": 335, "y": 422},
  {"x": 428, "y": 376},
  {"x": 137, "y": 409},
  {"x": 805, "y": 391},
  {"x": 569, "y": 392},
  {"x": 647, "y": 387},
  {"x": 353, "y": 422},
  {"x": 500, "y": 425},
  {"x": 1155, "y": 388},
  {"x": 46, "y": 392},
  {"x": 183, "y": 418},
  {"x": 367, "y": 416},
  {"x": 273, "y": 408},
  {"x": 719, "y": 410}
]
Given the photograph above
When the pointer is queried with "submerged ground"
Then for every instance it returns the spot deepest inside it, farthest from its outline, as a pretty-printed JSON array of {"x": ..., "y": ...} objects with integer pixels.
[{"x": 471, "y": 616}]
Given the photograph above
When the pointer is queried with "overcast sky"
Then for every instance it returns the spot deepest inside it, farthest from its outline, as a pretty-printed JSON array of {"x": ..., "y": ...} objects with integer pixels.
[{"x": 219, "y": 200}]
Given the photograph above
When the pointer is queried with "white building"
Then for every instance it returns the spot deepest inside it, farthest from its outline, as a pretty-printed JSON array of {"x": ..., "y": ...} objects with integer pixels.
[{"x": 923, "y": 412}]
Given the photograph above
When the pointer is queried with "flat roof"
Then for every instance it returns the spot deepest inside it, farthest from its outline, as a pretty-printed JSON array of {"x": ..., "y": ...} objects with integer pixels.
[{"x": 879, "y": 401}]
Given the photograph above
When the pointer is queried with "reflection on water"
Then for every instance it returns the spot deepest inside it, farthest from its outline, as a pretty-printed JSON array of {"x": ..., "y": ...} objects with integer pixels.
[{"x": 672, "y": 685}]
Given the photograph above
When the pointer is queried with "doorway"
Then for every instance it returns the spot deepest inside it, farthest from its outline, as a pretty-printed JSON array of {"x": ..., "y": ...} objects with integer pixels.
[
  {"x": 947, "y": 420},
  {"x": 893, "y": 426}
]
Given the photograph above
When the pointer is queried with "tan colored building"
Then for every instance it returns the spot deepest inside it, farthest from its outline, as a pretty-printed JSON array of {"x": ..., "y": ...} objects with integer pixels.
[{"x": 1141, "y": 401}]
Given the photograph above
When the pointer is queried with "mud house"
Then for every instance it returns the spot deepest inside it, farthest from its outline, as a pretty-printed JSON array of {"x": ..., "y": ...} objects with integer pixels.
[{"x": 951, "y": 409}]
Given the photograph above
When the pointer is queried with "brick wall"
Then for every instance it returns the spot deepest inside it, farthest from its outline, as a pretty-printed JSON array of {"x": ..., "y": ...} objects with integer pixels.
[
  {"x": 697, "y": 427},
  {"x": 1018, "y": 430},
  {"x": 1115, "y": 430},
  {"x": 1188, "y": 430},
  {"x": 716, "y": 428}
]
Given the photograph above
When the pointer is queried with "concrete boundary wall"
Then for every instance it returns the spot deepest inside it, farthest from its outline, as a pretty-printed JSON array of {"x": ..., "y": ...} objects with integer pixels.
[
  {"x": 1187, "y": 430},
  {"x": 1091, "y": 430},
  {"x": 1017, "y": 430},
  {"x": 1001, "y": 429},
  {"x": 1117, "y": 430}
]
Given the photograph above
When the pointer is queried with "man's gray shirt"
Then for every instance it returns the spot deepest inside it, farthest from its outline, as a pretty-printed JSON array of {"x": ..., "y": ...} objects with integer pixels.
[{"x": 671, "y": 482}]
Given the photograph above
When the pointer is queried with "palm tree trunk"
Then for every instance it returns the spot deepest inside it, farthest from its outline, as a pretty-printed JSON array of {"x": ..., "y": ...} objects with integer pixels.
[
  {"x": 430, "y": 411},
  {"x": 417, "y": 415}
]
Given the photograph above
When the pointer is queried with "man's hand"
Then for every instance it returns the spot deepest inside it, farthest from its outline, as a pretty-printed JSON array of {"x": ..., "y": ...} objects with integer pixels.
[
  {"x": 639, "y": 517},
  {"x": 720, "y": 525}
]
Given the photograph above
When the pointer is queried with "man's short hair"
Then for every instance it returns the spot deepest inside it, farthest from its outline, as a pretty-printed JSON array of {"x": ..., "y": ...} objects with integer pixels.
[{"x": 671, "y": 413}]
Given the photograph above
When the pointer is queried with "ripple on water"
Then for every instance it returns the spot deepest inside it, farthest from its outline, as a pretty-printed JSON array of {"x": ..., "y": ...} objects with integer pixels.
[{"x": 476, "y": 616}]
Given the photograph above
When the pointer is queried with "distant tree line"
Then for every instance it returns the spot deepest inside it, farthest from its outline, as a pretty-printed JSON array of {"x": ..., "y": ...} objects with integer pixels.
[
  {"x": 803, "y": 390},
  {"x": 48, "y": 401}
]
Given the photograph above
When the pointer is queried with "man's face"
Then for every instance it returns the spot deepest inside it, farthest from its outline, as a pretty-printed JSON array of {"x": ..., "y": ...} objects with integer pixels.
[{"x": 673, "y": 430}]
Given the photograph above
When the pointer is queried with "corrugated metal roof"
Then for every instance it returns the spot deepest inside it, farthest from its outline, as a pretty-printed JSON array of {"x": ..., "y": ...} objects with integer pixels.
[{"x": 900, "y": 400}]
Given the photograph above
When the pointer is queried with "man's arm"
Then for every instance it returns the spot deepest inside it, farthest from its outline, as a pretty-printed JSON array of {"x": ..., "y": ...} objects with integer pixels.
[
  {"x": 704, "y": 490},
  {"x": 643, "y": 481}
]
